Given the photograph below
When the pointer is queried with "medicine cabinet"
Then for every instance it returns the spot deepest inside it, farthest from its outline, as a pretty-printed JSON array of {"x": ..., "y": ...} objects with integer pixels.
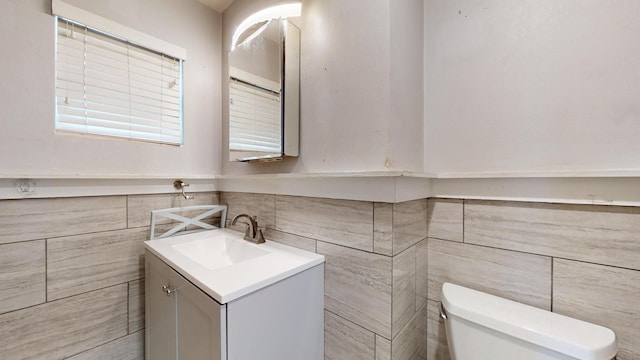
[{"x": 264, "y": 92}]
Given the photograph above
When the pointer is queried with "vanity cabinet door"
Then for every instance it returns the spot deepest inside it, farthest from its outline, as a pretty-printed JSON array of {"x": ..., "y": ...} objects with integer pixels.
[
  {"x": 201, "y": 325},
  {"x": 160, "y": 311},
  {"x": 182, "y": 322}
]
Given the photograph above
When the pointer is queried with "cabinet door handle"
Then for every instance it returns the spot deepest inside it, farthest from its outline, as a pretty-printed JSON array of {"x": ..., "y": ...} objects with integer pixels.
[{"x": 168, "y": 290}]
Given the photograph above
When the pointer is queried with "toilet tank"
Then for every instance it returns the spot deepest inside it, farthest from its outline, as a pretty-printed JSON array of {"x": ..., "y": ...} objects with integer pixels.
[{"x": 482, "y": 326}]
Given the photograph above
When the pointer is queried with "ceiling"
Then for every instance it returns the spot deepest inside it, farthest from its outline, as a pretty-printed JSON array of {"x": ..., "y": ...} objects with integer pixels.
[{"x": 218, "y": 5}]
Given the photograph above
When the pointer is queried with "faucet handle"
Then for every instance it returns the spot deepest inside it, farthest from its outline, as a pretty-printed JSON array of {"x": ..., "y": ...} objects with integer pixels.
[
  {"x": 247, "y": 231},
  {"x": 259, "y": 239}
]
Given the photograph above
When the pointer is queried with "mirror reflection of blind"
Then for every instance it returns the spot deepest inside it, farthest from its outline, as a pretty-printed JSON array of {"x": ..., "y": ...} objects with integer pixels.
[
  {"x": 110, "y": 87},
  {"x": 254, "y": 114}
]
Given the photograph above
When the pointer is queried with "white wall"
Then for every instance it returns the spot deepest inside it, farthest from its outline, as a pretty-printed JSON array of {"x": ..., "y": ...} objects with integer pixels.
[
  {"x": 361, "y": 86},
  {"x": 405, "y": 85},
  {"x": 531, "y": 85},
  {"x": 28, "y": 145}
]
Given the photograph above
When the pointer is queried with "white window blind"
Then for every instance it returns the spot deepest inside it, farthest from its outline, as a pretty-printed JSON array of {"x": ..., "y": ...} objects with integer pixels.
[
  {"x": 254, "y": 123},
  {"x": 108, "y": 86}
]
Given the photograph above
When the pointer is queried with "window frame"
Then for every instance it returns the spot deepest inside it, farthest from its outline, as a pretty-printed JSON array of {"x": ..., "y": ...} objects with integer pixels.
[{"x": 128, "y": 41}]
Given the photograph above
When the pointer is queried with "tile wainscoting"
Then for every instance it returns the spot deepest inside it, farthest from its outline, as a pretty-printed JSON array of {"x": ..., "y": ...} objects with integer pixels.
[
  {"x": 375, "y": 271},
  {"x": 72, "y": 281},
  {"x": 72, "y": 275},
  {"x": 579, "y": 260}
]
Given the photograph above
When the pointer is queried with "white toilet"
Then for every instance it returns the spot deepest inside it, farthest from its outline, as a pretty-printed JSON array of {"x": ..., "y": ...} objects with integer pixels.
[{"x": 486, "y": 327}]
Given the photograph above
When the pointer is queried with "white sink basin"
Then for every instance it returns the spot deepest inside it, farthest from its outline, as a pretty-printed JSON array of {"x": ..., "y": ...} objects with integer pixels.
[
  {"x": 218, "y": 253},
  {"x": 225, "y": 266}
]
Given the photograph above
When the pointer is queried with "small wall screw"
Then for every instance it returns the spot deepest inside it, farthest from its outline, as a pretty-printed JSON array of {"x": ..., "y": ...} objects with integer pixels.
[{"x": 25, "y": 186}]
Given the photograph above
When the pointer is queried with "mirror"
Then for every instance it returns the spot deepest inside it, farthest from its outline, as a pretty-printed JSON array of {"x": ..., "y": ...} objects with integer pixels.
[{"x": 264, "y": 92}]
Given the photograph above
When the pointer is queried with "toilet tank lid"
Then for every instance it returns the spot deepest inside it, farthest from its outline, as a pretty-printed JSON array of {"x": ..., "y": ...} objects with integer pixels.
[{"x": 569, "y": 336}]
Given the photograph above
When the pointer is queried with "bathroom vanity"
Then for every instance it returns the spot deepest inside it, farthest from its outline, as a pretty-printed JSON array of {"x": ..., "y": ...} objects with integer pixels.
[{"x": 213, "y": 295}]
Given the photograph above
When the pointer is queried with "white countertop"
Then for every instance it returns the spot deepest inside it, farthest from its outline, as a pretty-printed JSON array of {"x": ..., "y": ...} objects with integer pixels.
[{"x": 225, "y": 266}]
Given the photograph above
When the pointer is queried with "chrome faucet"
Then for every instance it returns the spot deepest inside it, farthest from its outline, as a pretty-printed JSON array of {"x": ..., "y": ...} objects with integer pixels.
[{"x": 252, "y": 234}]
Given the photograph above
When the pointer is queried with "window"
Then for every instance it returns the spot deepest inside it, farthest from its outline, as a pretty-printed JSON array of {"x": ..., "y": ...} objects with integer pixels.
[{"x": 109, "y": 85}]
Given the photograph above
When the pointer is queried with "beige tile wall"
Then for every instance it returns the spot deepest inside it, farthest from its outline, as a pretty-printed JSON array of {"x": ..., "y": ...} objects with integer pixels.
[
  {"x": 22, "y": 275},
  {"x": 404, "y": 289},
  {"x": 346, "y": 340},
  {"x": 72, "y": 275},
  {"x": 72, "y": 281},
  {"x": 70, "y": 288},
  {"x": 136, "y": 305},
  {"x": 81, "y": 263},
  {"x": 342, "y": 222},
  {"x": 32, "y": 219},
  {"x": 517, "y": 276},
  {"x": 601, "y": 294},
  {"x": 579, "y": 260},
  {"x": 358, "y": 286},
  {"x": 375, "y": 300}
]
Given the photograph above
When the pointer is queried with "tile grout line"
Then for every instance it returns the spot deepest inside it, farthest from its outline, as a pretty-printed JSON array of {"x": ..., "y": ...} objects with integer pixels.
[
  {"x": 373, "y": 227},
  {"x": 355, "y": 324},
  {"x": 463, "y": 220},
  {"x": 128, "y": 307},
  {"x": 375, "y": 346},
  {"x": 126, "y": 210},
  {"x": 551, "y": 292},
  {"x": 46, "y": 271}
]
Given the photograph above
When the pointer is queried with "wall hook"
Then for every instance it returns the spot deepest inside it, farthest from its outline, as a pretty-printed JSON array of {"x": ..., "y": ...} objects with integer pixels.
[{"x": 180, "y": 185}]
